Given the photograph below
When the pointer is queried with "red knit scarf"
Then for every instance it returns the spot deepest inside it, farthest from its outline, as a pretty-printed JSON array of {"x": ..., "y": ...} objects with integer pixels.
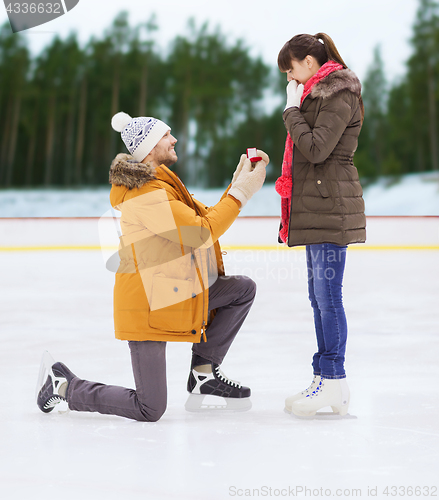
[{"x": 284, "y": 185}]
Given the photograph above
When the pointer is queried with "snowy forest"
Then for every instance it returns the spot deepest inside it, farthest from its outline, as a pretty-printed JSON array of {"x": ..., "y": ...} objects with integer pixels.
[{"x": 56, "y": 107}]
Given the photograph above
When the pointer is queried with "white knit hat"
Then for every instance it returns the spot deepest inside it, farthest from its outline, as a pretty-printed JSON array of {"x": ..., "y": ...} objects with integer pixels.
[{"x": 141, "y": 134}]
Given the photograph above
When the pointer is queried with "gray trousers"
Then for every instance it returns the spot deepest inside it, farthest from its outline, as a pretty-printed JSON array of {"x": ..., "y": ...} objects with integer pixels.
[{"x": 232, "y": 296}]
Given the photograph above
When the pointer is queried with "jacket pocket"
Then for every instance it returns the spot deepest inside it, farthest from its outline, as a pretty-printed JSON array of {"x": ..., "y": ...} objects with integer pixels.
[
  {"x": 318, "y": 196},
  {"x": 171, "y": 306},
  {"x": 321, "y": 182}
]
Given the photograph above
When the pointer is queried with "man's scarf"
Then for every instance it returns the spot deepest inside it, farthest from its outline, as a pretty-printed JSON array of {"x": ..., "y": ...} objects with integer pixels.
[{"x": 284, "y": 185}]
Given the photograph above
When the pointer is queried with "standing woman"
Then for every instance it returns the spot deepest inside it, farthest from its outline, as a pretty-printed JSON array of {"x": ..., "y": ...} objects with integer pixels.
[{"x": 322, "y": 204}]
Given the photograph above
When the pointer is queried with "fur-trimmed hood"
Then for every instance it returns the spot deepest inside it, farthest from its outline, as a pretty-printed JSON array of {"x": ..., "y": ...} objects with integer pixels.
[
  {"x": 343, "y": 79},
  {"x": 126, "y": 171}
]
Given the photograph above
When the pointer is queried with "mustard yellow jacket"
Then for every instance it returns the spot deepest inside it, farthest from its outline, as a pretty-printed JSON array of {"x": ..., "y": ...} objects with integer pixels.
[{"x": 169, "y": 253}]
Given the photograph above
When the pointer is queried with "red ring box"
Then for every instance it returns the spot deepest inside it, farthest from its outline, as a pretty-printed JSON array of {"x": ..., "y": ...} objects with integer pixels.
[{"x": 252, "y": 155}]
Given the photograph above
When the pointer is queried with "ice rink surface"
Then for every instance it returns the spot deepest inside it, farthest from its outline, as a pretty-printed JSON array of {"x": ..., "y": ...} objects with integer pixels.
[{"x": 62, "y": 301}]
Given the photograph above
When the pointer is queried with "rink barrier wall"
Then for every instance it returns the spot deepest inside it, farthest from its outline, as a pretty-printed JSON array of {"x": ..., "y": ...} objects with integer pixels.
[{"x": 247, "y": 233}]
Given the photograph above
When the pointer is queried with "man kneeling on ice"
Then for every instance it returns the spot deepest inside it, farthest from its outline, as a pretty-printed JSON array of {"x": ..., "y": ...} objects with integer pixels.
[{"x": 170, "y": 283}]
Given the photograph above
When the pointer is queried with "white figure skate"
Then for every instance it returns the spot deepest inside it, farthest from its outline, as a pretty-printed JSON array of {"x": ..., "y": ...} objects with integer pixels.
[
  {"x": 330, "y": 392},
  {"x": 289, "y": 401}
]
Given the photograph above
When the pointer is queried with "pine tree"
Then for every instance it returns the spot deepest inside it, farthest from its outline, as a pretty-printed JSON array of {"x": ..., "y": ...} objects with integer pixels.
[
  {"x": 423, "y": 70},
  {"x": 372, "y": 141},
  {"x": 14, "y": 68}
]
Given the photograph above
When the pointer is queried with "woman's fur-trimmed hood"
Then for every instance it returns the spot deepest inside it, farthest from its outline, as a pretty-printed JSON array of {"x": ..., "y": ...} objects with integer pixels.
[
  {"x": 126, "y": 171},
  {"x": 343, "y": 79}
]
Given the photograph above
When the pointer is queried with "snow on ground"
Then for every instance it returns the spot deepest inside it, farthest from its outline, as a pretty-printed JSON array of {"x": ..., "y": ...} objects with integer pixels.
[
  {"x": 413, "y": 194},
  {"x": 62, "y": 301}
]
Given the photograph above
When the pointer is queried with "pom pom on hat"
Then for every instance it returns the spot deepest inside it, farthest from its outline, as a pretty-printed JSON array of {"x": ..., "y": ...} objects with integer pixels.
[{"x": 120, "y": 121}]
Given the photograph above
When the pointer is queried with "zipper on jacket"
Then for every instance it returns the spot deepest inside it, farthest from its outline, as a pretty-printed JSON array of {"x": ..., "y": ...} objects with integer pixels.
[
  {"x": 292, "y": 172},
  {"x": 292, "y": 189},
  {"x": 200, "y": 278},
  {"x": 135, "y": 257},
  {"x": 183, "y": 189}
]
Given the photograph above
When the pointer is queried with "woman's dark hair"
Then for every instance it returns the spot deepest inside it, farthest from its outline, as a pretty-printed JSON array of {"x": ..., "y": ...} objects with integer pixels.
[{"x": 301, "y": 46}]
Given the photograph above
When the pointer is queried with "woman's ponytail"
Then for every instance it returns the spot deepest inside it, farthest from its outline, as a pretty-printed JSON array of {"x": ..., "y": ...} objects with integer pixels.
[
  {"x": 334, "y": 55},
  {"x": 331, "y": 50}
]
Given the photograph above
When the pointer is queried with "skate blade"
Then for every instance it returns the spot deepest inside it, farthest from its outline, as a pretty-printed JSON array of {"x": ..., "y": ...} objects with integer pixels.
[
  {"x": 46, "y": 365},
  {"x": 324, "y": 415},
  {"x": 197, "y": 403}
]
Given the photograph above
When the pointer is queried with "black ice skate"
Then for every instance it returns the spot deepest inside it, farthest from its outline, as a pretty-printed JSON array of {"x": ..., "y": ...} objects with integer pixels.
[
  {"x": 53, "y": 375},
  {"x": 199, "y": 385}
]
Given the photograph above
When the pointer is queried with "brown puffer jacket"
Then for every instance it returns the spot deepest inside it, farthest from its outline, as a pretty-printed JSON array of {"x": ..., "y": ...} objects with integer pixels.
[
  {"x": 326, "y": 204},
  {"x": 169, "y": 253}
]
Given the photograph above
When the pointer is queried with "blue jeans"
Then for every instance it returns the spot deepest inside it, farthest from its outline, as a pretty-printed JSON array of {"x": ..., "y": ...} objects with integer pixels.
[{"x": 326, "y": 263}]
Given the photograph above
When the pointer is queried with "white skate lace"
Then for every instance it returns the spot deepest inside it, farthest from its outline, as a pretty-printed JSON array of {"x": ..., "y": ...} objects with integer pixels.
[
  {"x": 316, "y": 391},
  {"x": 54, "y": 400},
  {"x": 226, "y": 380},
  {"x": 306, "y": 391}
]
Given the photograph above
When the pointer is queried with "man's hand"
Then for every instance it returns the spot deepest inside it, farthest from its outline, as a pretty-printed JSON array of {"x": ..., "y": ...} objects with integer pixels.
[
  {"x": 264, "y": 156},
  {"x": 249, "y": 181},
  {"x": 265, "y": 159},
  {"x": 238, "y": 168}
]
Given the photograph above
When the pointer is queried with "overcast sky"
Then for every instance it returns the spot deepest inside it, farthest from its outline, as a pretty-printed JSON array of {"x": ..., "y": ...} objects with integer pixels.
[{"x": 356, "y": 26}]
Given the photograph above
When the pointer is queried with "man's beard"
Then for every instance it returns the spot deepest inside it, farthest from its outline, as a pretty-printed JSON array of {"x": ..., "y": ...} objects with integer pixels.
[{"x": 167, "y": 161}]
